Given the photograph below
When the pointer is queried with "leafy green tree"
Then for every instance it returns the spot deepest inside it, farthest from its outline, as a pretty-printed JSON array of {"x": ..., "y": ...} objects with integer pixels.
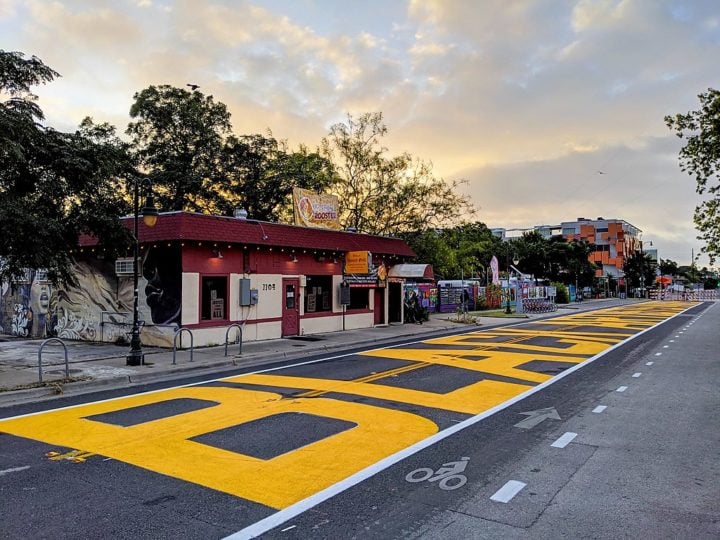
[
  {"x": 262, "y": 173},
  {"x": 387, "y": 195},
  {"x": 178, "y": 138},
  {"x": 184, "y": 141},
  {"x": 639, "y": 270},
  {"x": 700, "y": 157},
  {"x": 461, "y": 251},
  {"x": 54, "y": 186},
  {"x": 668, "y": 267}
]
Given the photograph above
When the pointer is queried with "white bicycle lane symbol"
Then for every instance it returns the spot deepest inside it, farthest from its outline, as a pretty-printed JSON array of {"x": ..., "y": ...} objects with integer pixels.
[{"x": 448, "y": 475}]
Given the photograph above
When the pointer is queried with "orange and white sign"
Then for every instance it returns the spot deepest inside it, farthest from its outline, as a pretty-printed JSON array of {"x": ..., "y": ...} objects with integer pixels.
[
  {"x": 357, "y": 262},
  {"x": 315, "y": 210}
]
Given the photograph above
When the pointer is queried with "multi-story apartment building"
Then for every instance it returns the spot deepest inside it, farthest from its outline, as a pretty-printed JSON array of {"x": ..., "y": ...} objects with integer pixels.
[{"x": 613, "y": 240}]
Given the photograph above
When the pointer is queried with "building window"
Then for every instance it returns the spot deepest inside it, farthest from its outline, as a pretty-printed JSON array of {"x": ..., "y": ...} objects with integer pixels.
[
  {"x": 214, "y": 298},
  {"x": 359, "y": 298},
  {"x": 318, "y": 294}
]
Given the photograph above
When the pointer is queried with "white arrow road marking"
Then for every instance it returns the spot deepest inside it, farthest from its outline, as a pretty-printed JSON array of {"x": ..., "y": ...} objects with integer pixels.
[
  {"x": 508, "y": 491},
  {"x": 14, "y": 469},
  {"x": 535, "y": 417}
]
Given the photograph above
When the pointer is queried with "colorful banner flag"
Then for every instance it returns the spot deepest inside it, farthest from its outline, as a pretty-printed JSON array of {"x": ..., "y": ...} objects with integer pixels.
[
  {"x": 495, "y": 272},
  {"x": 315, "y": 210}
]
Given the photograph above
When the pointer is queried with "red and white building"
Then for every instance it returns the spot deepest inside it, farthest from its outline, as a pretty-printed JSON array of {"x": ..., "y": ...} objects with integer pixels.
[{"x": 206, "y": 273}]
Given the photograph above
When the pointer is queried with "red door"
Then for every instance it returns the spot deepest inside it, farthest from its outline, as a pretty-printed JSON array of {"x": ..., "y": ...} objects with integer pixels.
[
  {"x": 379, "y": 306},
  {"x": 291, "y": 307}
]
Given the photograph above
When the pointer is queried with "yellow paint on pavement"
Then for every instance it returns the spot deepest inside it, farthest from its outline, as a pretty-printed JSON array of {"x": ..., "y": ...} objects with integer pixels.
[
  {"x": 163, "y": 445},
  {"x": 470, "y": 399}
]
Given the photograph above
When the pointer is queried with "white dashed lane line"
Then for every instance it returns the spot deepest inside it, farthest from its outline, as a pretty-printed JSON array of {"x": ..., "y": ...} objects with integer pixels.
[
  {"x": 649, "y": 363},
  {"x": 636, "y": 375},
  {"x": 508, "y": 491},
  {"x": 658, "y": 354},
  {"x": 14, "y": 469},
  {"x": 621, "y": 389},
  {"x": 563, "y": 441},
  {"x": 599, "y": 408}
]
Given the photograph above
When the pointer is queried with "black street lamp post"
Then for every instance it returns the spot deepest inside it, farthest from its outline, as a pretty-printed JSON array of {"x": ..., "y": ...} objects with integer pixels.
[{"x": 150, "y": 215}]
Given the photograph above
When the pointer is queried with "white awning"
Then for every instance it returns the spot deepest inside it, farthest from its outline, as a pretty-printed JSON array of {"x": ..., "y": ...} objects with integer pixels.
[{"x": 412, "y": 271}]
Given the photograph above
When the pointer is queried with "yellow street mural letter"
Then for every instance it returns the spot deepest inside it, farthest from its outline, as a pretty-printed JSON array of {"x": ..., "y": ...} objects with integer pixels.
[{"x": 163, "y": 445}]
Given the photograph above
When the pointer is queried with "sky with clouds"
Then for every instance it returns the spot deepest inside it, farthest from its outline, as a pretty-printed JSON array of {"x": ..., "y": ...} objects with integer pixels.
[{"x": 549, "y": 109}]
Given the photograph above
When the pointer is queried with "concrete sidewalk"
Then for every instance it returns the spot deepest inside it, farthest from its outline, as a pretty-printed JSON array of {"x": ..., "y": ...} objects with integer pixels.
[{"x": 102, "y": 366}]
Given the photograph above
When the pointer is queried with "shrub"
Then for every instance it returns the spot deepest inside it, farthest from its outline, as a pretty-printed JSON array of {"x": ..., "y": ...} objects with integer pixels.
[{"x": 562, "y": 296}]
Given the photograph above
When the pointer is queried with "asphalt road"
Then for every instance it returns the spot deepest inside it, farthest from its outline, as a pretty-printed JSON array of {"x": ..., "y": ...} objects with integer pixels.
[{"x": 425, "y": 440}]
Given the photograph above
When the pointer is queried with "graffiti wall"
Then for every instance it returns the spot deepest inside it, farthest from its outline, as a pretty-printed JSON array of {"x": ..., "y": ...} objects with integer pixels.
[{"x": 99, "y": 307}]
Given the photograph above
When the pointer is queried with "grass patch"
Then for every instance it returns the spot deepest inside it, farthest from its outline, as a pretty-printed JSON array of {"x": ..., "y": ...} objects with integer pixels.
[
  {"x": 499, "y": 313},
  {"x": 55, "y": 385}
]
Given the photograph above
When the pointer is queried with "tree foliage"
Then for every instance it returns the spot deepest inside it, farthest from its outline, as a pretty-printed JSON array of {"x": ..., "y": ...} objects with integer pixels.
[
  {"x": 54, "y": 186},
  {"x": 178, "y": 139},
  {"x": 466, "y": 251},
  {"x": 185, "y": 143},
  {"x": 700, "y": 158},
  {"x": 262, "y": 173},
  {"x": 640, "y": 269},
  {"x": 380, "y": 194}
]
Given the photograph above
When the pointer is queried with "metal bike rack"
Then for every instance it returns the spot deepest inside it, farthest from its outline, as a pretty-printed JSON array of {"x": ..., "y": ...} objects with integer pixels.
[
  {"x": 227, "y": 332},
  {"x": 42, "y": 345},
  {"x": 177, "y": 333}
]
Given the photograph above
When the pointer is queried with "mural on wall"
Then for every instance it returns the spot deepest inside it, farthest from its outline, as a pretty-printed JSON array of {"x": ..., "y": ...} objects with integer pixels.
[
  {"x": 99, "y": 307},
  {"x": 24, "y": 307},
  {"x": 163, "y": 289}
]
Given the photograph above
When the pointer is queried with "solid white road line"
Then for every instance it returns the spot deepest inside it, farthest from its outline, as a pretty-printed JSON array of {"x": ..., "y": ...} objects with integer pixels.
[
  {"x": 14, "y": 469},
  {"x": 649, "y": 363},
  {"x": 599, "y": 408},
  {"x": 563, "y": 441},
  {"x": 621, "y": 389},
  {"x": 508, "y": 491},
  {"x": 636, "y": 375}
]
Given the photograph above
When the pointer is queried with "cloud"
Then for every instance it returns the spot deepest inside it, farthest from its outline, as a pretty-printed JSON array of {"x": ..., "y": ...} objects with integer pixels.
[{"x": 510, "y": 95}]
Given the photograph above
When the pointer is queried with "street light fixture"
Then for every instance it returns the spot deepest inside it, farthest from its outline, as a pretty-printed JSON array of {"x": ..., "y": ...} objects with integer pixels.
[
  {"x": 150, "y": 216},
  {"x": 515, "y": 260}
]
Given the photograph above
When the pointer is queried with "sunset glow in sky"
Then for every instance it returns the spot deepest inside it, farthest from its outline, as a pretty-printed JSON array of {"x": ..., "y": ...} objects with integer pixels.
[{"x": 549, "y": 109}]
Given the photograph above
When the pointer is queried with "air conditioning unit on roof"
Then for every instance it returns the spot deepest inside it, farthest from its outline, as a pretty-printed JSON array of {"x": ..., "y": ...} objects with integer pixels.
[{"x": 124, "y": 267}]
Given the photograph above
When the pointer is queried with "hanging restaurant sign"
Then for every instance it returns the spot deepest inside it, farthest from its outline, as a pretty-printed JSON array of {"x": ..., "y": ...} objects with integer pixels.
[{"x": 358, "y": 262}]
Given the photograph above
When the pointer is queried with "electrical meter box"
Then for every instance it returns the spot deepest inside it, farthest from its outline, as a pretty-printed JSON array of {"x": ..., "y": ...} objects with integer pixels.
[
  {"x": 245, "y": 296},
  {"x": 253, "y": 297}
]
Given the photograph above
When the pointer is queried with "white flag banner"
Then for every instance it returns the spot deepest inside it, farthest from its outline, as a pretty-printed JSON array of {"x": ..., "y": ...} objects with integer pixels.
[{"x": 494, "y": 268}]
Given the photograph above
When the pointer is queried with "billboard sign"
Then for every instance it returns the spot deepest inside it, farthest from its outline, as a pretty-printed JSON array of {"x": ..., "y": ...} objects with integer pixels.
[{"x": 315, "y": 210}]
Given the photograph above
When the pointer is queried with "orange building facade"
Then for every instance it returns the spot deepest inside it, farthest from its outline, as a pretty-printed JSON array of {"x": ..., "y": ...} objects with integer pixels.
[{"x": 613, "y": 241}]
